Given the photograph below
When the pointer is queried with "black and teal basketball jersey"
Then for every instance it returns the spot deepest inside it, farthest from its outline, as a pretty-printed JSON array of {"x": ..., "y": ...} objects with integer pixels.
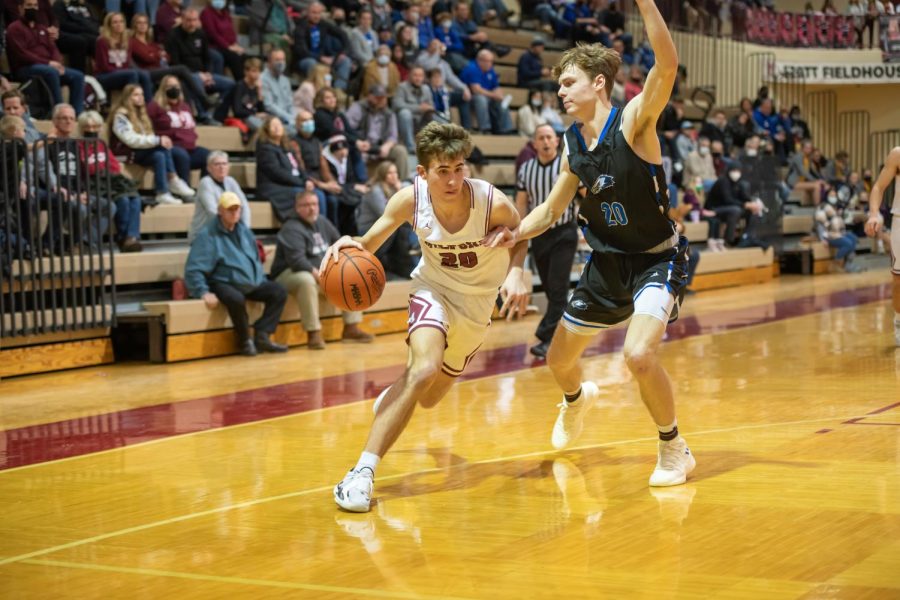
[{"x": 627, "y": 202}]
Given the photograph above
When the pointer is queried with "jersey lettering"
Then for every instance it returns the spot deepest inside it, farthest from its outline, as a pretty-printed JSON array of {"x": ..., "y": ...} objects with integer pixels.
[
  {"x": 614, "y": 214},
  {"x": 467, "y": 260}
]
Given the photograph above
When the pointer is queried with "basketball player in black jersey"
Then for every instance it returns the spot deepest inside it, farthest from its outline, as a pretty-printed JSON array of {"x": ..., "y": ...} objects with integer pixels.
[{"x": 638, "y": 267}]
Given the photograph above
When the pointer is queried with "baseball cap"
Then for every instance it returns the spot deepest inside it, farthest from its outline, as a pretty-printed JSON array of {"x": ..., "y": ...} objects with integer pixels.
[
  {"x": 229, "y": 199},
  {"x": 378, "y": 90},
  {"x": 537, "y": 42}
]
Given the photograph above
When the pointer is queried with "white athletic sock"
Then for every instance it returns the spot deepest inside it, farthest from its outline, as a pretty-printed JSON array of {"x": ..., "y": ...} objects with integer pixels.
[
  {"x": 367, "y": 459},
  {"x": 668, "y": 433}
]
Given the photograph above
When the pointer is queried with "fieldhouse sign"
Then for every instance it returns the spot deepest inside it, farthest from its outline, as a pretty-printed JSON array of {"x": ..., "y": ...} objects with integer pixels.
[{"x": 836, "y": 74}]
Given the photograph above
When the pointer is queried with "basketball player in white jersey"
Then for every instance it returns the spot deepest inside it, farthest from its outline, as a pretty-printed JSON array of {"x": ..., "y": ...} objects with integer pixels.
[
  {"x": 454, "y": 287},
  {"x": 638, "y": 267},
  {"x": 890, "y": 171}
]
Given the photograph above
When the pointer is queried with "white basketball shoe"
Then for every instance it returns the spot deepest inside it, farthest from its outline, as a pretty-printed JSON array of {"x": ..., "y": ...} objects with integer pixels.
[
  {"x": 354, "y": 493},
  {"x": 570, "y": 421},
  {"x": 673, "y": 464}
]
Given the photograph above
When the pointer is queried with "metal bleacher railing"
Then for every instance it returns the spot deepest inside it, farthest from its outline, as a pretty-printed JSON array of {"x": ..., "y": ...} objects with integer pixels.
[{"x": 56, "y": 256}]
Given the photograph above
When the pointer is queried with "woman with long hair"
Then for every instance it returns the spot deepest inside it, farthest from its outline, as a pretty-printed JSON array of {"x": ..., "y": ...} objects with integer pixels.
[
  {"x": 279, "y": 171},
  {"x": 171, "y": 116},
  {"x": 152, "y": 57},
  {"x": 131, "y": 135},
  {"x": 113, "y": 64},
  {"x": 330, "y": 121}
]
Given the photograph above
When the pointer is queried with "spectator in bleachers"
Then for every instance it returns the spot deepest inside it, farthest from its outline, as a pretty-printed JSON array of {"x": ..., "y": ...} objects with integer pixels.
[
  {"x": 531, "y": 72},
  {"x": 144, "y": 7},
  {"x": 635, "y": 83},
  {"x": 247, "y": 104},
  {"x": 381, "y": 70},
  {"x": 152, "y": 57},
  {"x": 321, "y": 44},
  {"x": 329, "y": 121},
  {"x": 62, "y": 175},
  {"x": 171, "y": 117},
  {"x": 168, "y": 17},
  {"x": 279, "y": 174},
  {"x": 552, "y": 23},
  {"x": 218, "y": 25},
  {"x": 277, "y": 96},
  {"x": 382, "y": 19},
  {"x": 721, "y": 159},
  {"x": 490, "y": 104},
  {"x": 187, "y": 45},
  {"x": 772, "y": 127},
  {"x": 76, "y": 46},
  {"x": 271, "y": 23},
  {"x": 426, "y": 23},
  {"x": 449, "y": 37},
  {"x": 467, "y": 31},
  {"x": 224, "y": 266},
  {"x": 316, "y": 167},
  {"x": 211, "y": 188},
  {"x": 584, "y": 24},
  {"x": 302, "y": 242},
  {"x": 96, "y": 159},
  {"x": 627, "y": 57},
  {"x": 131, "y": 135},
  {"x": 831, "y": 229},
  {"x": 693, "y": 206},
  {"x": 394, "y": 252},
  {"x": 363, "y": 39},
  {"x": 15, "y": 237},
  {"x": 740, "y": 127},
  {"x": 14, "y": 105},
  {"x": 699, "y": 163},
  {"x": 337, "y": 153},
  {"x": 492, "y": 12},
  {"x": 78, "y": 31},
  {"x": 32, "y": 53},
  {"x": 799, "y": 127},
  {"x": 447, "y": 96},
  {"x": 684, "y": 141},
  {"x": 728, "y": 198},
  {"x": 114, "y": 67},
  {"x": 414, "y": 105},
  {"x": 804, "y": 176},
  {"x": 612, "y": 23},
  {"x": 716, "y": 129},
  {"x": 374, "y": 125},
  {"x": 669, "y": 125},
  {"x": 404, "y": 53},
  {"x": 838, "y": 169},
  {"x": 529, "y": 116}
]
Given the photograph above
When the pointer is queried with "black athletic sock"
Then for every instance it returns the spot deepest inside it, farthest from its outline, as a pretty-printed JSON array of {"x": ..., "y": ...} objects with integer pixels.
[
  {"x": 668, "y": 436},
  {"x": 573, "y": 397}
]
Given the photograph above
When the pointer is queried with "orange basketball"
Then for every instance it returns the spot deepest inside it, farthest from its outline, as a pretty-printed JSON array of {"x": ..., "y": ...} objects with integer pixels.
[{"x": 355, "y": 281}]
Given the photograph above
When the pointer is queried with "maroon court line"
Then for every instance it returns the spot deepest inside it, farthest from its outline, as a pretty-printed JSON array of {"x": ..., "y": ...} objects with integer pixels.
[{"x": 84, "y": 435}]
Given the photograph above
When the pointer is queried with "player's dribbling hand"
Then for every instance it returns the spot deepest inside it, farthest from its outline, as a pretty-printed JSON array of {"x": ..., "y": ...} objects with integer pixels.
[
  {"x": 873, "y": 225},
  {"x": 334, "y": 252},
  {"x": 500, "y": 237},
  {"x": 514, "y": 294}
]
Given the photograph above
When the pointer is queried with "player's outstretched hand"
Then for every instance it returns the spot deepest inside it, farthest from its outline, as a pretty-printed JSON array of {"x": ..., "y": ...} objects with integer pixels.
[
  {"x": 335, "y": 250},
  {"x": 514, "y": 294},
  {"x": 874, "y": 224},
  {"x": 500, "y": 237}
]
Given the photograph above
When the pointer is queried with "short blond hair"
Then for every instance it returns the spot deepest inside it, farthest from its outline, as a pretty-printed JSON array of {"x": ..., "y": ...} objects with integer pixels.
[
  {"x": 593, "y": 59},
  {"x": 10, "y": 124},
  {"x": 442, "y": 140}
]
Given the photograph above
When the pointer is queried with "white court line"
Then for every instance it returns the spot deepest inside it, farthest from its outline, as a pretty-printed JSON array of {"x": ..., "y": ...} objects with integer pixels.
[
  {"x": 257, "y": 501},
  {"x": 292, "y": 585}
]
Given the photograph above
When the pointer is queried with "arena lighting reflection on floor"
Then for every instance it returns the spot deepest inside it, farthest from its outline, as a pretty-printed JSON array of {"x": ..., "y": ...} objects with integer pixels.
[{"x": 85, "y": 435}]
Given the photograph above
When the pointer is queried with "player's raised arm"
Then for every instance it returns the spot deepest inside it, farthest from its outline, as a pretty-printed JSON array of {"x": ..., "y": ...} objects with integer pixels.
[
  {"x": 891, "y": 167},
  {"x": 644, "y": 109},
  {"x": 541, "y": 218},
  {"x": 398, "y": 210}
]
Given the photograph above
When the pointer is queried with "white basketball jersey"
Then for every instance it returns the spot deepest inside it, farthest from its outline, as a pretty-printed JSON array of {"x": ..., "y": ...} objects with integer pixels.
[
  {"x": 896, "y": 208},
  {"x": 458, "y": 261}
]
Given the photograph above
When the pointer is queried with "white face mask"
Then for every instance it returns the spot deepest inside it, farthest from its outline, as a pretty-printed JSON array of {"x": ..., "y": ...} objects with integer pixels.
[
  {"x": 703, "y": 150},
  {"x": 751, "y": 152},
  {"x": 383, "y": 59},
  {"x": 734, "y": 175},
  {"x": 832, "y": 199}
]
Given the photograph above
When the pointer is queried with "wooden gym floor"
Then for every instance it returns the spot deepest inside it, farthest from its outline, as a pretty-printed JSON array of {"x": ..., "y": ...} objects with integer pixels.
[{"x": 212, "y": 479}]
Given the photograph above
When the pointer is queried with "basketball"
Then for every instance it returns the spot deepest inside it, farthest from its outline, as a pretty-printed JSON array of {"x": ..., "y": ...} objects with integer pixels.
[{"x": 355, "y": 281}]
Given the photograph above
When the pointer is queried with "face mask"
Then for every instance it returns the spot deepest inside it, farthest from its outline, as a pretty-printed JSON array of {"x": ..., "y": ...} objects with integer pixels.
[
  {"x": 31, "y": 15},
  {"x": 867, "y": 178},
  {"x": 536, "y": 102},
  {"x": 383, "y": 59},
  {"x": 734, "y": 175},
  {"x": 218, "y": 4},
  {"x": 91, "y": 134},
  {"x": 308, "y": 127},
  {"x": 832, "y": 199},
  {"x": 751, "y": 152},
  {"x": 173, "y": 93},
  {"x": 698, "y": 188},
  {"x": 703, "y": 150},
  {"x": 380, "y": 2},
  {"x": 279, "y": 67},
  {"x": 446, "y": 24}
]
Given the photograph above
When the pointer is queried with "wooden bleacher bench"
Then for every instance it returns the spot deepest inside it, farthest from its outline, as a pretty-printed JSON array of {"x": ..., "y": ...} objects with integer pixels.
[
  {"x": 510, "y": 37},
  {"x": 797, "y": 224},
  {"x": 550, "y": 57},
  {"x": 736, "y": 266},
  {"x": 192, "y": 330},
  {"x": 696, "y": 232},
  {"x": 176, "y": 218}
]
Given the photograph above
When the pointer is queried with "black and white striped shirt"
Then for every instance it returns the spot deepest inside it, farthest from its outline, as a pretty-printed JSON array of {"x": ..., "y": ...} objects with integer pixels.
[{"x": 536, "y": 180}]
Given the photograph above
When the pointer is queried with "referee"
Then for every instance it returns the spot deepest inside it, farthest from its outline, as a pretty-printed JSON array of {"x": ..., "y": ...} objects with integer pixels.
[{"x": 553, "y": 250}]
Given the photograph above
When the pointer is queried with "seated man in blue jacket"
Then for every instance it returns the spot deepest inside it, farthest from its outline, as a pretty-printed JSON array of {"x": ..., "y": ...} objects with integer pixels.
[{"x": 224, "y": 266}]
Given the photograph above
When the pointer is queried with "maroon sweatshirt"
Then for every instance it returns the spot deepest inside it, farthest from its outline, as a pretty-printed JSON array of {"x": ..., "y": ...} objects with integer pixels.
[
  {"x": 219, "y": 27},
  {"x": 177, "y": 123},
  {"x": 26, "y": 46},
  {"x": 108, "y": 59}
]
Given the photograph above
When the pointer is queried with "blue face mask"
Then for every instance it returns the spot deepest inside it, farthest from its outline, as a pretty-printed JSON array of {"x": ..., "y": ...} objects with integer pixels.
[
  {"x": 308, "y": 127},
  {"x": 218, "y": 4}
]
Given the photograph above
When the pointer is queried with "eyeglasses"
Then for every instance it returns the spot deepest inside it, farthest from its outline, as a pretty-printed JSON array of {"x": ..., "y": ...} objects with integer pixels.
[{"x": 218, "y": 164}]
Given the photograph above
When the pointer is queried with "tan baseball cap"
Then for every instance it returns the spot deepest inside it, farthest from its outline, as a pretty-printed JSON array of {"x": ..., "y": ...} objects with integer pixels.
[{"x": 229, "y": 199}]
